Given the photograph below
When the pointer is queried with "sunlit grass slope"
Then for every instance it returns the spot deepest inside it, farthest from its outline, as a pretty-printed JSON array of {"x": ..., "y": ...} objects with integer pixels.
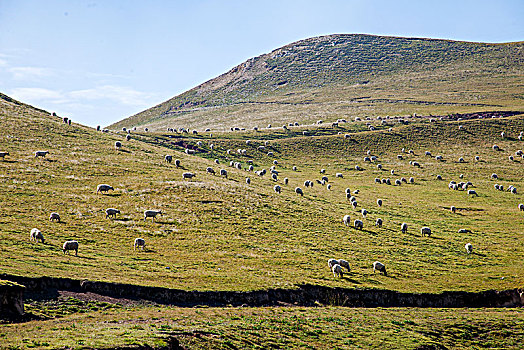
[{"x": 222, "y": 234}]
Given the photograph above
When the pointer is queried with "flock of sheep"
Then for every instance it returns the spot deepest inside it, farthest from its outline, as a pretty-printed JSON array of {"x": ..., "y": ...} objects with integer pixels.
[{"x": 337, "y": 266}]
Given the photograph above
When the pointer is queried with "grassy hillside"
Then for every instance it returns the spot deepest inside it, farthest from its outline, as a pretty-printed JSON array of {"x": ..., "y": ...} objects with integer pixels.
[
  {"x": 222, "y": 234},
  {"x": 338, "y": 76}
]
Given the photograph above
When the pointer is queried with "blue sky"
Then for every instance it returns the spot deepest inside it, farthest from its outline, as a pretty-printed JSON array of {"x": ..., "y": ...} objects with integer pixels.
[{"x": 101, "y": 61}]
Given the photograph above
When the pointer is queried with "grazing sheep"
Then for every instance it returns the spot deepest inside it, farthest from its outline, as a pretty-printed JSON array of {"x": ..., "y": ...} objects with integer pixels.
[
  {"x": 299, "y": 191},
  {"x": 36, "y": 235},
  {"x": 210, "y": 170},
  {"x": 274, "y": 177},
  {"x": 496, "y": 148},
  {"x": 248, "y": 180},
  {"x": 41, "y": 154},
  {"x": 332, "y": 262},
  {"x": 177, "y": 163},
  {"x": 521, "y": 207},
  {"x": 118, "y": 145},
  {"x": 343, "y": 263},
  {"x": 188, "y": 175},
  {"x": 439, "y": 177},
  {"x": 339, "y": 175},
  {"x": 54, "y": 217},
  {"x": 503, "y": 134},
  {"x": 277, "y": 189},
  {"x": 425, "y": 231},
  {"x": 411, "y": 180},
  {"x": 404, "y": 227},
  {"x": 286, "y": 181},
  {"x": 3, "y": 154},
  {"x": 111, "y": 212},
  {"x": 139, "y": 243},
  {"x": 472, "y": 192},
  {"x": 357, "y": 168},
  {"x": 377, "y": 180},
  {"x": 379, "y": 202},
  {"x": 322, "y": 171},
  {"x": 427, "y": 153},
  {"x": 294, "y": 168},
  {"x": 378, "y": 223},
  {"x": 168, "y": 158},
  {"x": 379, "y": 166},
  {"x": 223, "y": 172},
  {"x": 453, "y": 209},
  {"x": 325, "y": 179},
  {"x": 469, "y": 248},
  {"x": 337, "y": 271},
  {"x": 359, "y": 225},
  {"x": 352, "y": 199},
  {"x": 400, "y": 157},
  {"x": 403, "y": 179},
  {"x": 378, "y": 266},
  {"x": 190, "y": 151},
  {"x": 354, "y": 204},
  {"x": 477, "y": 158},
  {"x": 328, "y": 187},
  {"x": 70, "y": 245},
  {"x": 439, "y": 158},
  {"x": 398, "y": 182},
  {"x": 494, "y": 176},
  {"x": 463, "y": 230},
  {"x": 152, "y": 214},
  {"x": 364, "y": 213},
  {"x": 346, "y": 220}
]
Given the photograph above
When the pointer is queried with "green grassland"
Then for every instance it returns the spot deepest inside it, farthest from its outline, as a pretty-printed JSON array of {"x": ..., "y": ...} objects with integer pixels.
[
  {"x": 222, "y": 234},
  {"x": 265, "y": 328},
  {"x": 333, "y": 76}
]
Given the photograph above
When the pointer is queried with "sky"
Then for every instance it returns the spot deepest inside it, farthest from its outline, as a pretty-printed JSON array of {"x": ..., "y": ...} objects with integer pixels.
[{"x": 98, "y": 62}]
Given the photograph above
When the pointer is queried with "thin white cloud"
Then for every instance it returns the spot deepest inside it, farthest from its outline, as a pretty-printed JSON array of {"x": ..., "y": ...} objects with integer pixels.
[
  {"x": 28, "y": 73},
  {"x": 119, "y": 94},
  {"x": 3, "y": 63},
  {"x": 36, "y": 94}
]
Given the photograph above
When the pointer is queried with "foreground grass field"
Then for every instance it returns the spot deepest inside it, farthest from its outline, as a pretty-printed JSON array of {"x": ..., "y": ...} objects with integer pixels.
[
  {"x": 222, "y": 234},
  {"x": 265, "y": 328}
]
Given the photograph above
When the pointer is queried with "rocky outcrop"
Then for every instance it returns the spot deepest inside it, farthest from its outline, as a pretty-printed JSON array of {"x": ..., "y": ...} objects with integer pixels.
[
  {"x": 304, "y": 295},
  {"x": 11, "y": 300}
]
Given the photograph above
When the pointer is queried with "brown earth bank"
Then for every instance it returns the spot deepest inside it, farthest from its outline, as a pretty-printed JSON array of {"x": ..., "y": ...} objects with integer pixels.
[{"x": 40, "y": 288}]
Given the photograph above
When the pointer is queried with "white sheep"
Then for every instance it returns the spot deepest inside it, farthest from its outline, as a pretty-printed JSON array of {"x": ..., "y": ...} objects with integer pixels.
[
  {"x": 328, "y": 187},
  {"x": 425, "y": 231},
  {"x": 521, "y": 207},
  {"x": 299, "y": 191},
  {"x": 139, "y": 243},
  {"x": 70, "y": 245},
  {"x": 378, "y": 223},
  {"x": 358, "y": 224},
  {"x": 103, "y": 188},
  {"x": 404, "y": 227},
  {"x": 54, "y": 217},
  {"x": 472, "y": 192},
  {"x": 332, "y": 262},
  {"x": 118, "y": 145},
  {"x": 364, "y": 213},
  {"x": 286, "y": 181},
  {"x": 168, "y": 158},
  {"x": 111, "y": 212},
  {"x": 41, "y": 154},
  {"x": 398, "y": 182},
  {"x": 346, "y": 220},
  {"x": 345, "y": 264},
  {"x": 469, "y": 248},
  {"x": 339, "y": 175},
  {"x": 152, "y": 214},
  {"x": 411, "y": 180},
  {"x": 337, "y": 271},
  {"x": 379, "y": 202},
  {"x": 354, "y": 204},
  {"x": 210, "y": 170},
  {"x": 36, "y": 235},
  {"x": 248, "y": 180},
  {"x": 277, "y": 189},
  {"x": 379, "y": 166},
  {"x": 188, "y": 175},
  {"x": 453, "y": 209},
  {"x": 294, "y": 168},
  {"x": 378, "y": 266},
  {"x": 177, "y": 163}
]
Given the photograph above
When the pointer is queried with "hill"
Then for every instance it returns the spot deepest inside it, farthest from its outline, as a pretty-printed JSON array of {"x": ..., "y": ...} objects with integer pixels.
[
  {"x": 338, "y": 76},
  {"x": 222, "y": 234}
]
